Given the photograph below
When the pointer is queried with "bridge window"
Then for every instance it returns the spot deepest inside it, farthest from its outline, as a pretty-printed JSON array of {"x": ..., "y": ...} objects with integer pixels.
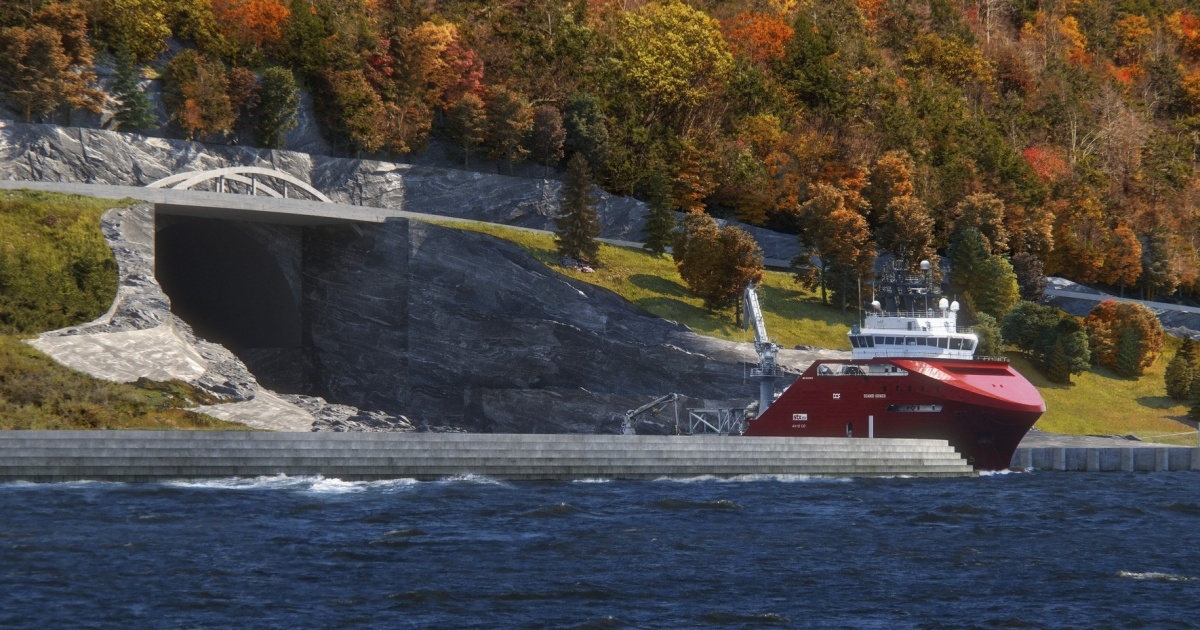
[
  {"x": 968, "y": 344},
  {"x": 854, "y": 342},
  {"x": 915, "y": 408},
  {"x": 943, "y": 343},
  {"x": 880, "y": 340},
  {"x": 910, "y": 341},
  {"x": 956, "y": 343},
  {"x": 921, "y": 341}
]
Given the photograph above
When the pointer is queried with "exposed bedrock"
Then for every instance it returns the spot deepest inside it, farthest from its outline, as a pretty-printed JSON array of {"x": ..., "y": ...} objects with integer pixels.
[{"x": 458, "y": 328}]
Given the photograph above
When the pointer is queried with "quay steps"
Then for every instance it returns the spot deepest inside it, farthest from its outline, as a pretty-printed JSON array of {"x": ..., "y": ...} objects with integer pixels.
[{"x": 46, "y": 456}]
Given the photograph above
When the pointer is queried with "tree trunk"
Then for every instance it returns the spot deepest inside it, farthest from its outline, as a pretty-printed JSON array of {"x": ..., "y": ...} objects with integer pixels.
[{"x": 843, "y": 294}]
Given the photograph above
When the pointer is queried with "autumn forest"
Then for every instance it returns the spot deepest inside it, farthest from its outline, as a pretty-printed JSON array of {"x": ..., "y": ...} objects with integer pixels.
[{"x": 1064, "y": 133}]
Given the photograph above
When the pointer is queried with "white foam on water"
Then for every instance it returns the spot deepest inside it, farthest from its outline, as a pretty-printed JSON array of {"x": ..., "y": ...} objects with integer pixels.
[
  {"x": 591, "y": 481},
  {"x": 305, "y": 483},
  {"x": 475, "y": 479},
  {"x": 998, "y": 473},
  {"x": 1151, "y": 575}
]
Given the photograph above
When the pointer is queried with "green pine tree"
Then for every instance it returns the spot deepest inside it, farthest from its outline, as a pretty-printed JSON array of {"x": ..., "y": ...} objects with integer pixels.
[
  {"x": 1127, "y": 354},
  {"x": 279, "y": 98},
  {"x": 660, "y": 221},
  {"x": 579, "y": 223},
  {"x": 1058, "y": 365},
  {"x": 133, "y": 111},
  {"x": 1194, "y": 411},
  {"x": 1179, "y": 376}
]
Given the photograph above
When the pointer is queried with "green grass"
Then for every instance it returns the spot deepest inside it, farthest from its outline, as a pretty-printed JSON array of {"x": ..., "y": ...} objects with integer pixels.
[
  {"x": 37, "y": 393},
  {"x": 1097, "y": 403},
  {"x": 793, "y": 316},
  {"x": 56, "y": 270}
]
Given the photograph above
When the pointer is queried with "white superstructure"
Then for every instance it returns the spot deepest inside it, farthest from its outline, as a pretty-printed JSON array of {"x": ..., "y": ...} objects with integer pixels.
[{"x": 926, "y": 333}]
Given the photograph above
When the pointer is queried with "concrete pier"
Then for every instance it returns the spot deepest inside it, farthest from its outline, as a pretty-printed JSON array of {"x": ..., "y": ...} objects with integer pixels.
[
  {"x": 47, "y": 456},
  {"x": 1101, "y": 459}
]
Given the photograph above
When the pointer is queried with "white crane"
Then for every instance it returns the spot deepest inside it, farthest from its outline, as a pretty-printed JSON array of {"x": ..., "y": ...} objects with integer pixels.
[
  {"x": 627, "y": 423},
  {"x": 767, "y": 371}
]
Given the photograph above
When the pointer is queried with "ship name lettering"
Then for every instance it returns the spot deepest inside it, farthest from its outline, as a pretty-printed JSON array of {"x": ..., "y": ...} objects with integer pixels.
[
  {"x": 799, "y": 417},
  {"x": 874, "y": 395}
]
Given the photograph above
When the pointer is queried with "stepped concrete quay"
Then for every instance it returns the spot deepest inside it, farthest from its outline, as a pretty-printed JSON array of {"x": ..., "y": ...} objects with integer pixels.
[
  {"x": 49, "y": 456},
  {"x": 1107, "y": 459}
]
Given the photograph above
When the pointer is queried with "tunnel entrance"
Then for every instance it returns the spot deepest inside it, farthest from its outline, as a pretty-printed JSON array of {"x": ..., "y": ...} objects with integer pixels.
[{"x": 230, "y": 288}]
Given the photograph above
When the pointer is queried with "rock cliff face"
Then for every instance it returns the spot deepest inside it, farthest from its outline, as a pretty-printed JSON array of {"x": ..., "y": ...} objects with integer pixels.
[
  {"x": 458, "y": 328},
  {"x": 50, "y": 153}
]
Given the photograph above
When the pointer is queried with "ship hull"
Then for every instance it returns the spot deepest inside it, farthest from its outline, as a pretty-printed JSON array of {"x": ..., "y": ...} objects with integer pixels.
[{"x": 982, "y": 408}]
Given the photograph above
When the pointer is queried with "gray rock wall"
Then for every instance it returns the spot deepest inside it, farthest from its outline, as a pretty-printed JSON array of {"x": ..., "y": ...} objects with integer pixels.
[
  {"x": 71, "y": 154},
  {"x": 458, "y": 328}
]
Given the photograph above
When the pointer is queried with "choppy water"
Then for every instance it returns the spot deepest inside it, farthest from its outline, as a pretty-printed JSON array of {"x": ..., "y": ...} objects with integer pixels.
[{"x": 1010, "y": 550}]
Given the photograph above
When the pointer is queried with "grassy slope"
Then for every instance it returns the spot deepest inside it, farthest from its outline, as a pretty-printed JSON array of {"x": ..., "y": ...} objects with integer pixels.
[
  {"x": 56, "y": 270},
  {"x": 793, "y": 316},
  {"x": 1097, "y": 403}
]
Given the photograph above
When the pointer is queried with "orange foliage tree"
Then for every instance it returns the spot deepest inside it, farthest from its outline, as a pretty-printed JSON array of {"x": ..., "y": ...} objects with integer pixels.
[
  {"x": 1186, "y": 26},
  {"x": 1048, "y": 163},
  {"x": 1123, "y": 265},
  {"x": 759, "y": 36},
  {"x": 1109, "y": 321},
  {"x": 1081, "y": 239},
  {"x": 251, "y": 25}
]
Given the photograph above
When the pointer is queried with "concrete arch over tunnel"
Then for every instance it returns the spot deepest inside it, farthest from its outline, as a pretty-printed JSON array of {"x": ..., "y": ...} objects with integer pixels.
[{"x": 227, "y": 283}]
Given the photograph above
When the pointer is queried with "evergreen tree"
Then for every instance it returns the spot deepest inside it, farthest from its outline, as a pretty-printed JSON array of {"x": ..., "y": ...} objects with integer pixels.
[
  {"x": 991, "y": 341},
  {"x": 1058, "y": 365},
  {"x": 587, "y": 130},
  {"x": 579, "y": 223},
  {"x": 133, "y": 111},
  {"x": 467, "y": 125},
  {"x": 1194, "y": 411},
  {"x": 1031, "y": 276},
  {"x": 1128, "y": 356},
  {"x": 660, "y": 221},
  {"x": 548, "y": 136},
  {"x": 278, "y": 100},
  {"x": 1179, "y": 375}
]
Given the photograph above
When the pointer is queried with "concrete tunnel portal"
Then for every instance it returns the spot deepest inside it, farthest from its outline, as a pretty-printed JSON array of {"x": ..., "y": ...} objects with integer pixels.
[{"x": 229, "y": 287}]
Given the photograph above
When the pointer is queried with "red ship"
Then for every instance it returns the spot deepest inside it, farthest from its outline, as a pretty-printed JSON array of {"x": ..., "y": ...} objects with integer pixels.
[{"x": 912, "y": 374}]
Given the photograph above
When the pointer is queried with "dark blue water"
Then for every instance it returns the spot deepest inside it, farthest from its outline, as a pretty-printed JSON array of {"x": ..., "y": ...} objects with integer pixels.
[{"x": 1015, "y": 550}]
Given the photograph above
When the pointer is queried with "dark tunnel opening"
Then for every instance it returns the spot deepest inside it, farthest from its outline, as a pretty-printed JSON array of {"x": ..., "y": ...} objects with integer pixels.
[{"x": 231, "y": 290}]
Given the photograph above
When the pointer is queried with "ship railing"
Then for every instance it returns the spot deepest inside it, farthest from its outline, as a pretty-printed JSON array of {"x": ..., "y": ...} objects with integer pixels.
[
  {"x": 915, "y": 352},
  {"x": 934, "y": 331},
  {"x": 773, "y": 372},
  {"x": 992, "y": 359}
]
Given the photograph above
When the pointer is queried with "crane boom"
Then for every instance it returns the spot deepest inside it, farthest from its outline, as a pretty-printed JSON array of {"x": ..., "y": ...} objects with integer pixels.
[
  {"x": 767, "y": 371},
  {"x": 627, "y": 423}
]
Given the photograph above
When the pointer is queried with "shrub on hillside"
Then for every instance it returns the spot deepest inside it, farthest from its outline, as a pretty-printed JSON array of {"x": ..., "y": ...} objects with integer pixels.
[
  {"x": 1107, "y": 325},
  {"x": 55, "y": 268}
]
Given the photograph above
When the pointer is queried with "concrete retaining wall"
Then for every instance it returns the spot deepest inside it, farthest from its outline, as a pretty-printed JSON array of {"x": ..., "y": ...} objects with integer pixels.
[
  {"x": 157, "y": 455},
  {"x": 1143, "y": 458}
]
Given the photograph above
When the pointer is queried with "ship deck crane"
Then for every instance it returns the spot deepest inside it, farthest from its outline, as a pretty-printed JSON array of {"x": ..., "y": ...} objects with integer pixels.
[
  {"x": 627, "y": 423},
  {"x": 767, "y": 371}
]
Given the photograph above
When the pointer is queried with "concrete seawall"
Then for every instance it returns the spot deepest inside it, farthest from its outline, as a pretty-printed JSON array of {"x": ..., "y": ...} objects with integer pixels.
[
  {"x": 1093, "y": 459},
  {"x": 47, "y": 456}
]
